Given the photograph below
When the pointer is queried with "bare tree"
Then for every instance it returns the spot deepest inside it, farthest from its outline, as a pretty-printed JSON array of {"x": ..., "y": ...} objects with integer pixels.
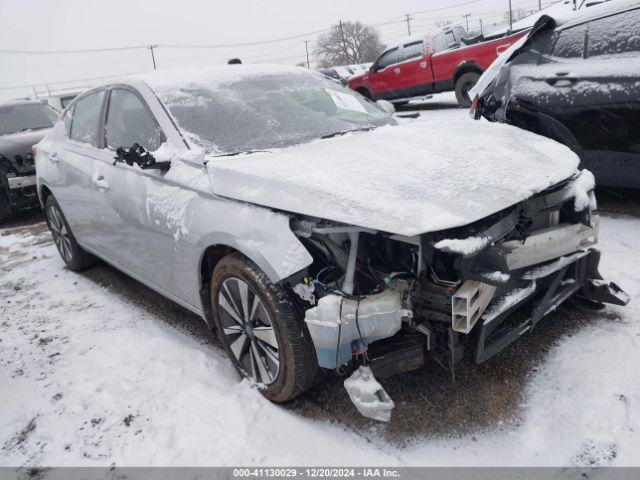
[{"x": 348, "y": 43}]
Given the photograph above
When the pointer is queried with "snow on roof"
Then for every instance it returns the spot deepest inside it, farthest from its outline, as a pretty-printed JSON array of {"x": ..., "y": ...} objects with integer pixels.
[
  {"x": 405, "y": 40},
  {"x": 165, "y": 79},
  {"x": 595, "y": 11},
  {"x": 563, "y": 13}
]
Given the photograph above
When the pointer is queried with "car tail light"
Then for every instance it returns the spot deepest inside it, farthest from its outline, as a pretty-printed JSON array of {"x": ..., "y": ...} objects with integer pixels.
[
  {"x": 473, "y": 112},
  {"x": 34, "y": 150}
]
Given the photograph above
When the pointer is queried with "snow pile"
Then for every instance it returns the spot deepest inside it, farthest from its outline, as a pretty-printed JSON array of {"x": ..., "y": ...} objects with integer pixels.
[
  {"x": 499, "y": 277},
  {"x": 368, "y": 395},
  {"x": 581, "y": 189},
  {"x": 464, "y": 246}
]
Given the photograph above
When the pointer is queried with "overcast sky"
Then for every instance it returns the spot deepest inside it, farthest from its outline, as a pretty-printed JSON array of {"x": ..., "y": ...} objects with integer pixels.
[{"x": 86, "y": 24}]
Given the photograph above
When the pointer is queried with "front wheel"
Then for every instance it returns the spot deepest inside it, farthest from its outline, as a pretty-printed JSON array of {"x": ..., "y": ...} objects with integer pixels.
[
  {"x": 465, "y": 83},
  {"x": 261, "y": 330},
  {"x": 72, "y": 253}
]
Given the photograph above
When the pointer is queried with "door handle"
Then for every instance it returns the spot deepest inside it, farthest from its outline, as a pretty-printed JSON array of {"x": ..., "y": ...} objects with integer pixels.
[
  {"x": 423, "y": 64},
  {"x": 396, "y": 71},
  {"x": 54, "y": 157},
  {"x": 101, "y": 182},
  {"x": 561, "y": 81}
]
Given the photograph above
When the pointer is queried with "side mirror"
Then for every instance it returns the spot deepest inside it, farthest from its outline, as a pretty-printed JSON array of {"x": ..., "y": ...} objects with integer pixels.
[
  {"x": 136, "y": 154},
  {"x": 373, "y": 68},
  {"x": 386, "y": 106}
]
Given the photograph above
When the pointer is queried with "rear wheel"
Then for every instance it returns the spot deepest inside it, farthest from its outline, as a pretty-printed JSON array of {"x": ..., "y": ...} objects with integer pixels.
[
  {"x": 72, "y": 253},
  {"x": 465, "y": 83},
  {"x": 261, "y": 330}
]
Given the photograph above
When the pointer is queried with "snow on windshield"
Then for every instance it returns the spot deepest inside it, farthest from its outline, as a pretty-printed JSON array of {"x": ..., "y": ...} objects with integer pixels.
[{"x": 244, "y": 108}]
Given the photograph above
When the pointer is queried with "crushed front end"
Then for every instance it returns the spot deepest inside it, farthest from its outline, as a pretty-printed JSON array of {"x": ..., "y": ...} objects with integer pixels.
[
  {"x": 388, "y": 301},
  {"x": 17, "y": 182}
]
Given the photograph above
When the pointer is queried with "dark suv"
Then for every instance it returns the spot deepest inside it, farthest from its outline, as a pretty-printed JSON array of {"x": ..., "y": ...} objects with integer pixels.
[
  {"x": 579, "y": 83},
  {"x": 22, "y": 125}
]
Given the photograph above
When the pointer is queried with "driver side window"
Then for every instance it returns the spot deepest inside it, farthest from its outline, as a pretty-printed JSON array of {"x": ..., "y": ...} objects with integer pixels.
[
  {"x": 387, "y": 58},
  {"x": 129, "y": 121}
]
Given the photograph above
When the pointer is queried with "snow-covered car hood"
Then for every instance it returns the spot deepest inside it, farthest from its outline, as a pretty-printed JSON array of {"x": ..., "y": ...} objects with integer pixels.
[{"x": 408, "y": 179}]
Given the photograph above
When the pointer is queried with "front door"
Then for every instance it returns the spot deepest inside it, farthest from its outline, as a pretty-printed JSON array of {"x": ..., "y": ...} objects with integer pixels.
[
  {"x": 415, "y": 73},
  {"x": 139, "y": 212},
  {"x": 384, "y": 76}
]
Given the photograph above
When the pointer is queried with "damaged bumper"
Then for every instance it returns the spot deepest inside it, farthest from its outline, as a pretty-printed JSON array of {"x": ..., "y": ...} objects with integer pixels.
[
  {"x": 21, "y": 182},
  {"x": 543, "y": 289}
]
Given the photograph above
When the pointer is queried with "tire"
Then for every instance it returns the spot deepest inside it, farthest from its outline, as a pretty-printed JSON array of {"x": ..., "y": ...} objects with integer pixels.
[
  {"x": 73, "y": 255},
  {"x": 463, "y": 85},
  {"x": 365, "y": 93},
  {"x": 286, "y": 364}
]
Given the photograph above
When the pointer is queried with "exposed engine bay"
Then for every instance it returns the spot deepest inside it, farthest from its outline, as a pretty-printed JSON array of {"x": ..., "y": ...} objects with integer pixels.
[{"x": 388, "y": 301}]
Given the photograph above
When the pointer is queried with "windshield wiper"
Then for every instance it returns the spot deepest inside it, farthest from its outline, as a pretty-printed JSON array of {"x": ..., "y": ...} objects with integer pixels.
[
  {"x": 241, "y": 152},
  {"x": 342, "y": 132}
]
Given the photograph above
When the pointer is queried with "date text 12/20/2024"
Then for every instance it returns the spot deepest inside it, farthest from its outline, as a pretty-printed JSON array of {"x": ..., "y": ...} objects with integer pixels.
[{"x": 317, "y": 472}]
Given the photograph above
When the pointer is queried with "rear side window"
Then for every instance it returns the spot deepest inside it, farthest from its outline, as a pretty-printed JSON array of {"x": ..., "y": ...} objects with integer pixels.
[
  {"x": 615, "y": 34},
  {"x": 570, "y": 43},
  {"x": 86, "y": 119},
  {"x": 129, "y": 121},
  {"x": 64, "y": 101},
  {"x": 388, "y": 58},
  {"x": 411, "y": 50},
  {"x": 444, "y": 41}
]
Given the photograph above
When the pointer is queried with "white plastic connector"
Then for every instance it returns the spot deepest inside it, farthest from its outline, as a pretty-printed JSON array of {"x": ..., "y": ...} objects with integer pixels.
[{"x": 468, "y": 303}]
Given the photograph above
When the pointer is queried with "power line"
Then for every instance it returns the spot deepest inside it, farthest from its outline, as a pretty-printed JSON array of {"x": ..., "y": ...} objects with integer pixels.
[{"x": 91, "y": 50}]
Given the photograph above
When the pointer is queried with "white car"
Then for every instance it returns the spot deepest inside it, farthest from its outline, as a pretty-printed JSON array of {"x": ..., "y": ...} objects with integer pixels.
[{"x": 309, "y": 229}]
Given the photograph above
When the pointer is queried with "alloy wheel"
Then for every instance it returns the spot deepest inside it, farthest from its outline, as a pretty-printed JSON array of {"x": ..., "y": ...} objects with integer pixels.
[
  {"x": 60, "y": 233},
  {"x": 248, "y": 331}
]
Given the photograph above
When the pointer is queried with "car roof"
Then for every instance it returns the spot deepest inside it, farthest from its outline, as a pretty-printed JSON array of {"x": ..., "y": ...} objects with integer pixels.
[
  {"x": 163, "y": 79},
  {"x": 596, "y": 11},
  {"x": 14, "y": 103}
]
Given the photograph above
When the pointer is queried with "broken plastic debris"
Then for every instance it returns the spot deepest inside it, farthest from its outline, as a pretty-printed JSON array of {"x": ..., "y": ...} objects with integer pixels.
[{"x": 368, "y": 395}]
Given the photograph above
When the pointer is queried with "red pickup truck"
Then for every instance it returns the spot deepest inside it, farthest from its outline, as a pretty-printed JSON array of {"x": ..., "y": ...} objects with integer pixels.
[{"x": 441, "y": 61}]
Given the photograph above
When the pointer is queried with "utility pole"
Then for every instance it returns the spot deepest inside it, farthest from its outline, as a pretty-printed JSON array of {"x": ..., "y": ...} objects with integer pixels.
[
  {"x": 153, "y": 57},
  {"x": 480, "y": 21},
  {"x": 408, "y": 24},
  {"x": 306, "y": 47},
  {"x": 344, "y": 43},
  {"x": 466, "y": 19},
  {"x": 539, "y": 5},
  {"x": 510, "y": 17}
]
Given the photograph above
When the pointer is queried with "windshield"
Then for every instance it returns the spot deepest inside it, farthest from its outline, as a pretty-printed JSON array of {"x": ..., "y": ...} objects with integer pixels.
[
  {"x": 20, "y": 118},
  {"x": 267, "y": 111}
]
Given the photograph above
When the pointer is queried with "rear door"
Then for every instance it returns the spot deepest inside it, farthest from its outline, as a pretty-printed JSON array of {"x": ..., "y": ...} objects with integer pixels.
[
  {"x": 71, "y": 163},
  {"x": 606, "y": 115},
  {"x": 590, "y": 86},
  {"x": 384, "y": 75}
]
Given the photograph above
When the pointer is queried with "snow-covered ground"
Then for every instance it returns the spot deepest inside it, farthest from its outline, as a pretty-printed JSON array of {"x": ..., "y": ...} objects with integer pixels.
[{"x": 88, "y": 378}]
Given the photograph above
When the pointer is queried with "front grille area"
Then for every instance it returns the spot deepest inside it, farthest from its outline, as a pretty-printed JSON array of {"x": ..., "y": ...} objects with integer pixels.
[
  {"x": 24, "y": 160},
  {"x": 545, "y": 219}
]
